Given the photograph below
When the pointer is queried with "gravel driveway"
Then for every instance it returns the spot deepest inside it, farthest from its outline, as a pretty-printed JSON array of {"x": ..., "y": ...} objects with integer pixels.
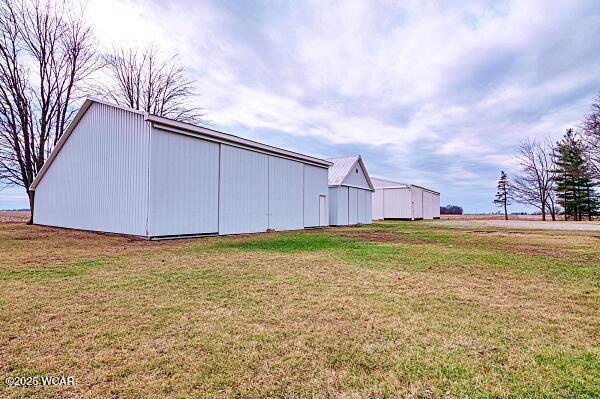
[{"x": 525, "y": 224}]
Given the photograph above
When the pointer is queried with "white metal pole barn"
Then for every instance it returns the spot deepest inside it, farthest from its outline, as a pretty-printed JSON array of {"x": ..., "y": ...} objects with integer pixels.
[
  {"x": 394, "y": 200},
  {"x": 350, "y": 192},
  {"x": 123, "y": 171}
]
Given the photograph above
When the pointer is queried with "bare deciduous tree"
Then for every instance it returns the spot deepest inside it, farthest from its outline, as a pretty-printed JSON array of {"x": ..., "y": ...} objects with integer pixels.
[
  {"x": 534, "y": 184},
  {"x": 142, "y": 79},
  {"x": 46, "y": 51},
  {"x": 590, "y": 133},
  {"x": 552, "y": 203}
]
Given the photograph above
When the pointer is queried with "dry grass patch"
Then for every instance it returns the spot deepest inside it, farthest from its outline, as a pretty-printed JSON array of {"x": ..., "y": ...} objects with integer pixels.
[
  {"x": 14, "y": 216},
  {"x": 389, "y": 310}
]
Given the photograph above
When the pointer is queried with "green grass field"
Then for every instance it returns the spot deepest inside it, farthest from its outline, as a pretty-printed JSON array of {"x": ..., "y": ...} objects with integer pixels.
[{"x": 396, "y": 309}]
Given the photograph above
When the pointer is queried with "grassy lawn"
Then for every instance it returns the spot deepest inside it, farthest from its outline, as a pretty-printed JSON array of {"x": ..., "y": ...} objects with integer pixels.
[{"x": 396, "y": 309}]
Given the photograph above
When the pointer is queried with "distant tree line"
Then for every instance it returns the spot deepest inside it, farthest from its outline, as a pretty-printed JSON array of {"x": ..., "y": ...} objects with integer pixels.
[
  {"x": 558, "y": 178},
  {"x": 49, "y": 61},
  {"x": 451, "y": 210}
]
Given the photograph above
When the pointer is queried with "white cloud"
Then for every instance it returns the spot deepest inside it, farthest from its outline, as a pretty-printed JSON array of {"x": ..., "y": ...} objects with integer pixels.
[
  {"x": 464, "y": 82},
  {"x": 122, "y": 21}
]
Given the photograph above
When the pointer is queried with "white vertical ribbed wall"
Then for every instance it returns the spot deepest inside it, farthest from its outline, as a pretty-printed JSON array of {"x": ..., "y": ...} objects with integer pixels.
[
  {"x": 436, "y": 206},
  {"x": 364, "y": 207},
  {"x": 286, "y": 194},
  {"x": 184, "y": 185},
  {"x": 99, "y": 179},
  {"x": 417, "y": 198},
  {"x": 333, "y": 206},
  {"x": 369, "y": 207},
  {"x": 361, "y": 205},
  {"x": 349, "y": 206},
  {"x": 244, "y": 191},
  {"x": 428, "y": 205},
  {"x": 315, "y": 185},
  {"x": 401, "y": 201},
  {"x": 352, "y": 205},
  {"x": 116, "y": 173},
  {"x": 378, "y": 204},
  {"x": 397, "y": 203},
  {"x": 338, "y": 210}
]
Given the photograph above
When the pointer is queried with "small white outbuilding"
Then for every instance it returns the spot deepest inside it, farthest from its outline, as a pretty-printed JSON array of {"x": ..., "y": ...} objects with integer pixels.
[
  {"x": 350, "y": 192},
  {"x": 124, "y": 171},
  {"x": 394, "y": 200}
]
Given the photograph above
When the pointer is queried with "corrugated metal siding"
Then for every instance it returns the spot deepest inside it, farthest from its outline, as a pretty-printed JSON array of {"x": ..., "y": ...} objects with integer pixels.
[
  {"x": 369, "y": 207},
  {"x": 364, "y": 207},
  {"x": 378, "y": 204},
  {"x": 417, "y": 198},
  {"x": 343, "y": 193},
  {"x": 286, "y": 197},
  {"x": 349, "y": 206},
  {"x": 397, "y": 203},
  {"x": 315, "y": 185},
  {"x": 184, "y": 185},
  {"x": 436, "y": 205},
  {"x": 333, "y": 206},
  {"x": 352, "y": 205},
  {"x": 338, "y": 209},
  {"x": 243, "y": 194},
  {"x": 99, "y": 180},
  {"x": 428, "y": 204},
  {"x": 361, "y": 205},
  {"x": 356, "y": 179},
  {"x": 403, "y": 202}
]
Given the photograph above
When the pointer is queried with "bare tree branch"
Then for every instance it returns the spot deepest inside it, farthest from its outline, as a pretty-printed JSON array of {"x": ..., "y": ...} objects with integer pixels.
[
  {"x": 46, "y": 51},
  {"x": 534, "y": 184},
  {"x": 142, "y": 79},
  {"x": 590, "y": 135}
]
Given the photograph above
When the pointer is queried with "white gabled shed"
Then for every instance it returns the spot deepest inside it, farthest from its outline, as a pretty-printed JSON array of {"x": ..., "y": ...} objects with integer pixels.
[
  {"x": 393, "y": 200},
  {"x": 350, "y": 191},
  {"x": 123, "y": 171}
]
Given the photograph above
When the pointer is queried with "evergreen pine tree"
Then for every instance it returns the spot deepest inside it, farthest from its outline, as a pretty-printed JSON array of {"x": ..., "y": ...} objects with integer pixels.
[
  {"x": 574, "y": 184},
  {"x": 502, "y": 195}
]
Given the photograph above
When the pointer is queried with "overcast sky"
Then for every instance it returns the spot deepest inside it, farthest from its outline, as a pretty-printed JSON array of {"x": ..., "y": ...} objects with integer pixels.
[{"x": 432, "y": 93}]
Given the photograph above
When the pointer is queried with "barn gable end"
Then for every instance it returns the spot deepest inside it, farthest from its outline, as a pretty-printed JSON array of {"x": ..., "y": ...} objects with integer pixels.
[
  {"x": 357, "y": 177},
  {"x": 99, "y": 174},
  {"x": 350, "y": 191}
]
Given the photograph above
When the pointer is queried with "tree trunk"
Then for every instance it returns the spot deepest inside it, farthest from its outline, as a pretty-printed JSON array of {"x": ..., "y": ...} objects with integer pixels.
[
  {"x": 550, "y": 207},
  {"x": 575, "y": 213},
  {"x": 589, "y": 204},
  {"x": 543, "y": 212},
  {"x": 505, "y": 211},
  {"x": 31, "y": 195}
]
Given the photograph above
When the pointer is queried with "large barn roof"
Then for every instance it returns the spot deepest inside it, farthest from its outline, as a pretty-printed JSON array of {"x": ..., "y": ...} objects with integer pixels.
[
  {"x": 171, "y": 125},
  {"x": 342, "y": 167}
]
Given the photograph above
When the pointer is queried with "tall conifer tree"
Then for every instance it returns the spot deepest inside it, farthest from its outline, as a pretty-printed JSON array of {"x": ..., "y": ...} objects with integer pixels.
[
  {"x": 502, "y": 195},
  {"x": 574, "y": 183}
]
